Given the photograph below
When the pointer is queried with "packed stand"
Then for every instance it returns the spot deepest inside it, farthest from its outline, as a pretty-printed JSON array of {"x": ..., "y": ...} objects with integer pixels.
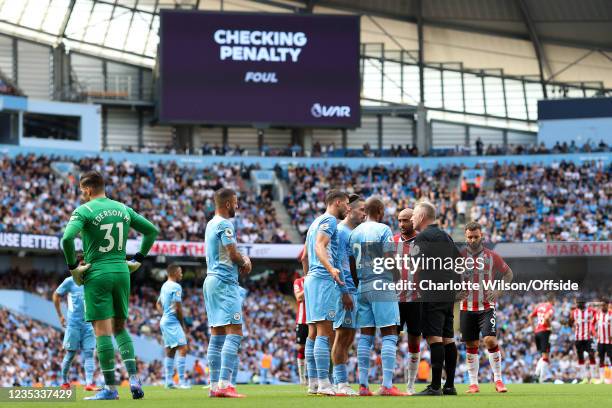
[
  {"x": 560, "y": 202},
  {"x": 398, "y": 187},
  {"x": 318, "y": 149},
  {"x": 37, "y": 199}
]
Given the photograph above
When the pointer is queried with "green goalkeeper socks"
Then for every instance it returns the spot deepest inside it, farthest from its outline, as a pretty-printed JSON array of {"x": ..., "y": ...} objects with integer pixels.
[
  {"x": 106, "y": 358},
  {"x": 126, "y": 348}
]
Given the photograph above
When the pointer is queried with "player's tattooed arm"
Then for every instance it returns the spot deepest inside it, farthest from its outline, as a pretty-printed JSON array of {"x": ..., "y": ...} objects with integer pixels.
[
  {"x": 243, "y": 261},
  {"x": 353, "y": 267},
  {"x": 323, "y": 256}
]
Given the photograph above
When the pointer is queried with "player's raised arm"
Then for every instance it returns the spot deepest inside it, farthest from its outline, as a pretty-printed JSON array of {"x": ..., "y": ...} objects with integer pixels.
[
  {"x": 73, "y": 228},
  {"x": 149, "y": 231}
]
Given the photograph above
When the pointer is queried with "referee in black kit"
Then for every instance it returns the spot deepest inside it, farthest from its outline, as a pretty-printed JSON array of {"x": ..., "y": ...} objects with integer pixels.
[{"x": 435, "y": 247}]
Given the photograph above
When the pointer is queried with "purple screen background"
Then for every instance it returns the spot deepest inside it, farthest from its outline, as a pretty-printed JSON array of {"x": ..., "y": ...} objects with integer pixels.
[{"x": 197, "y": 87}]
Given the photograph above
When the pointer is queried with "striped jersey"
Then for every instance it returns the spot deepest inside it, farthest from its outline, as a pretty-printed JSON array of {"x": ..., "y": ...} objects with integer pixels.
[
  {"x": 494, "y": 266},
  {"x": 300, "y": 316},
  {"x": 603, "y": 325},
  {"x": 583, "y": 323},
  {"x": 403, "y": 247},
  {"x": 543, "y": 311}
]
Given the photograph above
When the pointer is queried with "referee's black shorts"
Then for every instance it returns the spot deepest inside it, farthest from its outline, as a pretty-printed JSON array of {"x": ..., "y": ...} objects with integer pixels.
[
  {"x": 437, "y": 319},
  {"x": 543, "y": 341},
  {"x": 410, "y": 317}
]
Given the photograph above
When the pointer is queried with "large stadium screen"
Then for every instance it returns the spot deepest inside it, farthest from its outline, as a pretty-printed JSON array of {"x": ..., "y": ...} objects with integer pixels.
[{"x": 273, "y": 69}]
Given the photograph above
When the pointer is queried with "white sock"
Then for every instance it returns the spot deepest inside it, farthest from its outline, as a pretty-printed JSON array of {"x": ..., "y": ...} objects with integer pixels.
[
  {"x": 473, "y": 363},
  {"x": 224, "y": 384},
  {"x": 593, "y": 368},
  {"x": 582, "y": 371},
  {"x": 413, "y": 368},
  {"x": 544, "y": 371},
  {"x": 538, "y": 368},
  {"x": 602, "y": 373},
  {"x": 313, "y": 382},
  {"x": 301, "y": 369},
  {"x": 496, "y": 366}
]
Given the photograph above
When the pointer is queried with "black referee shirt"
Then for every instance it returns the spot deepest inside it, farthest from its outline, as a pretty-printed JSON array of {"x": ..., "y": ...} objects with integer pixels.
[{"x": 439, "y": 249}]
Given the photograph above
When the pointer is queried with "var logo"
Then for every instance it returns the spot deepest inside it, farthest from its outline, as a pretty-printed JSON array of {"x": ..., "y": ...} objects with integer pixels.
[{"x": 338, "y": 111}]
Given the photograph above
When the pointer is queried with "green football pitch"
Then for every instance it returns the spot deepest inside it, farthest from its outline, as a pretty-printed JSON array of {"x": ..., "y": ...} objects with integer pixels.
[{"x": 271, "y": 396}]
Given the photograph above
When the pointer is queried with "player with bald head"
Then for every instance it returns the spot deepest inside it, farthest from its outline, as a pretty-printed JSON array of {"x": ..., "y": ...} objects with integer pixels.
[
  {"x": 370, "y": 243},
  {"x": 409, "y": 307}
]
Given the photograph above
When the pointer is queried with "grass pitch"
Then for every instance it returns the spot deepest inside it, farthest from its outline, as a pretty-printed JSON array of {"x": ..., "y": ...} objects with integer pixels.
[{"x": 271, "y": 396}]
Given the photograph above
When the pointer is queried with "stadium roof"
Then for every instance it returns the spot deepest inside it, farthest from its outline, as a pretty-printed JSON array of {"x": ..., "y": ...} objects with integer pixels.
[
  {"x": 127, "y": 29},
  {"x": 577, "y": 23}
]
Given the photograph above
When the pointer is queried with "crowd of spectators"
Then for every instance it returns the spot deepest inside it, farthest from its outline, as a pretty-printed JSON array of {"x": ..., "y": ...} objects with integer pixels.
[
  {"x": 398, "y": 187},
  {"x": 36, "y": 198},
  {"x": 34, "y": 351},
  {"x": 319, "y": 149},
  {"x": 560, "y": 202}
]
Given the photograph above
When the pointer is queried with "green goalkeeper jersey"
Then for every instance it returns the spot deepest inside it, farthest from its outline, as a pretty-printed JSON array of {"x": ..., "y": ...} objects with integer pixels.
[{"x": 104, "y": 225}]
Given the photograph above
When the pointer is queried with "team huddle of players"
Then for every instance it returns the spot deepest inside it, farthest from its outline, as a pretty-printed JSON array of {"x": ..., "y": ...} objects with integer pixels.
[{"x": 335, "y": 298}]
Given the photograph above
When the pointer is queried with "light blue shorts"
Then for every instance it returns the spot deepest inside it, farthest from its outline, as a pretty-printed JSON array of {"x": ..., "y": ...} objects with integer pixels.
[
  {"x": 173, "y": 334},
  {"x": 376, "y": 313},
  {"x": 223, "y": 302},
  {"x": 321, "y": 297},
  {"x": 79, "y": 337},
  {"x": 346, "y": 319}
]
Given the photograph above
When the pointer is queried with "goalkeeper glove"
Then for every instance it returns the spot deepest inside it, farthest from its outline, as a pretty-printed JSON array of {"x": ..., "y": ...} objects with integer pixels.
[
  {"x": 135, "y": 262},
  {"x": 78, "y": 272}
]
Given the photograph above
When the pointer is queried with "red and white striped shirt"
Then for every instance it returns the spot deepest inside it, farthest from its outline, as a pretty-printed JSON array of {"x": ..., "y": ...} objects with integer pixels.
[
  {"x": 403, "y": 247},
  {"x": 603, "y": 323},
  {"x": 583, "y": 323},
  {"x": 493, "y": 265},
  {"x": 298, "y": 286},
  {"x": 543, "y": 311}
]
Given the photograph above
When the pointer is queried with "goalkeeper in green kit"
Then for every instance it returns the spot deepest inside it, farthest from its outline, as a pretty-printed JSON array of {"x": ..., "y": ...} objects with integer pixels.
[{"x": 104, "y": 225}]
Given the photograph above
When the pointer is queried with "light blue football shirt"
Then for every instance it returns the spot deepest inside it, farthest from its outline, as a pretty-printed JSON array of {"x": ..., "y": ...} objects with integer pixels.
[
  {"x": 75, "y": 298},
  {"x": 344, "y": 252},
  {"x": 326, "y": 224},
  {"x": 219, "y": 234},
  {"x": 170, "y": 294},
  {"x": 369, "y": 241}
]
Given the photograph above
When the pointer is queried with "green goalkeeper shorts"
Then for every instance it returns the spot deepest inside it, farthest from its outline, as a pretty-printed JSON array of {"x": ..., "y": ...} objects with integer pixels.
[{"x": 107, "y": 296}]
